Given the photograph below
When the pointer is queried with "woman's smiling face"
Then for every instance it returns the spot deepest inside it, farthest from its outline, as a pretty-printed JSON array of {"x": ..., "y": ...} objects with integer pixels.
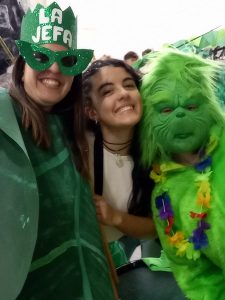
[
  {"x": 47, "y": 87},
  {"x": 116, "y": 101}
]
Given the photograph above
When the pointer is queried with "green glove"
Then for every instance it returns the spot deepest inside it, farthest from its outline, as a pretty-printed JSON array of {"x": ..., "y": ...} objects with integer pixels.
[{"x": 161, "y": 263}]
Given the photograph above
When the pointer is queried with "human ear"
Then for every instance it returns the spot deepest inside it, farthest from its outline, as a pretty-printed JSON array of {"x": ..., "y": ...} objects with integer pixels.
[{"x": 91, "y": 113}]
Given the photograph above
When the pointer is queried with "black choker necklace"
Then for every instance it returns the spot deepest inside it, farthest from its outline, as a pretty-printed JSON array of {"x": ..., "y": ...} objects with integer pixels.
[
  {"x": 125, "y": 143},
  {"x": 116, "y": 150},
  {"x": 118, "y": 157}
]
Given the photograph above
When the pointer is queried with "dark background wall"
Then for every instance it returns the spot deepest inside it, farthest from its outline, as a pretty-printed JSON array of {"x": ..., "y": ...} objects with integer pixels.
[{"x": 11, "y": 13}]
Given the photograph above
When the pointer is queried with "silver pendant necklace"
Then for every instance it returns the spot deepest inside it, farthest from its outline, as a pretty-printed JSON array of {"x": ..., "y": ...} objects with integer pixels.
[
  {"x": 118, "y": 157},
  {"x": 119, "y": 160}
]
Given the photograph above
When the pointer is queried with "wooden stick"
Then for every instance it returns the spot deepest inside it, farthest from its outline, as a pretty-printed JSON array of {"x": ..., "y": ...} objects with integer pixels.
[{"x": 113, "y": 274}]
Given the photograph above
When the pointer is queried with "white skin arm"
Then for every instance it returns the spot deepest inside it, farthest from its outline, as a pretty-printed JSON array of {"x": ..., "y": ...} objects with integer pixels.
[{"x": 137, "y": 227}]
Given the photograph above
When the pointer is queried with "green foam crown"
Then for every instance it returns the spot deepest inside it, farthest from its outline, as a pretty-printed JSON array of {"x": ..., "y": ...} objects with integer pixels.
[{"x": 50, "y": 25}]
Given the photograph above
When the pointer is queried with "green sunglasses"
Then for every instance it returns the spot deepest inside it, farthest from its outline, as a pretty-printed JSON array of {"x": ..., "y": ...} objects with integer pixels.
[{"x": 71, "y": 62}]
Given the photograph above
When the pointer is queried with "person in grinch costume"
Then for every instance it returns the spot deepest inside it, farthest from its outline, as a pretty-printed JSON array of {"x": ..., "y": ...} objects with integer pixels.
[
  {"x": 183, "y": 139},
  {"x": 50, "y": 243}
]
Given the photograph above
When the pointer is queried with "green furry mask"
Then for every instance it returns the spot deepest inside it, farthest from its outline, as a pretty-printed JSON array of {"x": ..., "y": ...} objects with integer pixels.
[{"x": 179, "y": 104}]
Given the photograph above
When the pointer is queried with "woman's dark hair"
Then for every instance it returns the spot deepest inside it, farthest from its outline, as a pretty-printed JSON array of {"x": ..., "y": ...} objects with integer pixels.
[
  {"x": 71, "y": 109},
  {"x": 139, "y": 202}
]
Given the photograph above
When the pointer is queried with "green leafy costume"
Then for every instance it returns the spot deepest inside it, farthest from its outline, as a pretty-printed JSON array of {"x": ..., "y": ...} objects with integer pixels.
[
  {"x": 49, "y": 231},
  {"x": 182, "y": 119}
]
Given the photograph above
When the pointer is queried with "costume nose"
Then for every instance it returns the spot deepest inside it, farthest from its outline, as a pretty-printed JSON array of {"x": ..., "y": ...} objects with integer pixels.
[{"x": 180, "y": 113}]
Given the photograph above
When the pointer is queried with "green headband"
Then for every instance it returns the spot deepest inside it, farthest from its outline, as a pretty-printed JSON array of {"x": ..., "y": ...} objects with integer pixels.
[{"x": 52, "y": 25}]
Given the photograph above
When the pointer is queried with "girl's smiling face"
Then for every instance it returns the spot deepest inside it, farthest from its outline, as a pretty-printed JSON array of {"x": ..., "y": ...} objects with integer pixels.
[{"x": 116, "y": 101}]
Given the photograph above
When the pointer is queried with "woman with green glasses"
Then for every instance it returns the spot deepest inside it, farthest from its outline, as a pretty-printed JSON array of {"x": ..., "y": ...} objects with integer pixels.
[{"x": 51, "y": 246}]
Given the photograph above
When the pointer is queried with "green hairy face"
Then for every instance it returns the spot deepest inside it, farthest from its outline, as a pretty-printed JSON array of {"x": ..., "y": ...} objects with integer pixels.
[
  {"x": 179, "y": 105},
  {"x": 181, "y": 121}
]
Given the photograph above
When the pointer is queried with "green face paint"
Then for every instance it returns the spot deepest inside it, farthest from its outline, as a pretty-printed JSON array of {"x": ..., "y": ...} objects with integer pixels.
[{"x": 71, "y": 62}]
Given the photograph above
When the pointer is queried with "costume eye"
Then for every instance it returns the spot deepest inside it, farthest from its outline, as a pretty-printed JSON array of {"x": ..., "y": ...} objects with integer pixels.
[
  {"x": 166, "y": 110},
  {"x": 69, "y": 61},
  {"x": 192, "y": 107},
  {"x": 40, "y": 57}
]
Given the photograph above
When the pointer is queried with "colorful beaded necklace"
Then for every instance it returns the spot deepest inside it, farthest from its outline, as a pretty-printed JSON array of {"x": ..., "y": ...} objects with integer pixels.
[{"x": 189, "y": 246}]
